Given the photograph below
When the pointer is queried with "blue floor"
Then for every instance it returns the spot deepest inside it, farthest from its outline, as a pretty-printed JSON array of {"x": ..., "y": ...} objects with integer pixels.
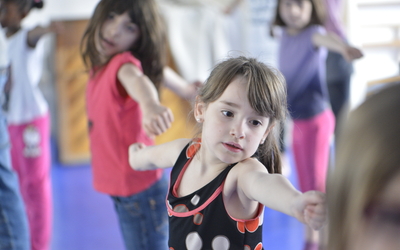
[{"x": 85, "y": 220}]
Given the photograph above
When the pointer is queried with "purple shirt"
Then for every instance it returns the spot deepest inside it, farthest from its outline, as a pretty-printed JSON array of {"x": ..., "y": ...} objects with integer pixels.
[{"x": 303, "y": 66}]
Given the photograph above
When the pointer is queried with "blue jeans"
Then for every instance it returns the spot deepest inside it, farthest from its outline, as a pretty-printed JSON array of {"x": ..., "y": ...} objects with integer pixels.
[
  {"x": 143, "y": 218},
  {"x": 14, "y": 232}
]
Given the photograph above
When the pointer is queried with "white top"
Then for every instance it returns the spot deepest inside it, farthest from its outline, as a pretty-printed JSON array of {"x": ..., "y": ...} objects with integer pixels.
[
  {"x": 4, "y": 60},
  {"x": 26, "y": 100}
]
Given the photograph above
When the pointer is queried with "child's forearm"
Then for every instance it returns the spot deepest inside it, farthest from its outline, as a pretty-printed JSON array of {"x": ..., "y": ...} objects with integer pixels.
[
  {"x": 138, "y": 86},
  {"x": 331, "y": 41},
  {"x": 152, "y": 157},
  {"x": 178, "y": 85},
  {"x": 35, "y": 34},
  {"x": 334, "y": 43},
  {"x": 156, "y": 117},
  {"x": 277, "y": 193}
]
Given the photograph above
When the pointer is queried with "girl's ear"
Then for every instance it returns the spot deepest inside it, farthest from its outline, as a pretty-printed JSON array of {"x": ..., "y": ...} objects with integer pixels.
[
  {"x": 199, "y": 110},
  {"x": 267, "y": 133}
]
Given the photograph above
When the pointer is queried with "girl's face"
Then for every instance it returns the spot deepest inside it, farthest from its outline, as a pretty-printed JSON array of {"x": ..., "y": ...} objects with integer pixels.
[
  {"x": 380, "y": 229},
  {"x": 296, "y": 14},
  {"x": 10, "y": 15},
  {"x": 232, "y": 129},
  {"x": 117, "y": 34}
]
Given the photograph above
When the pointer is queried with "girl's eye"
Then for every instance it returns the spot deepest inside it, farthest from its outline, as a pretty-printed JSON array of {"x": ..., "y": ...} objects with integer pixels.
[
  {"x": 111, "y": 15},
  {"x": 255, "y": 123},
  {"x": 131, "y": 28},
  {"x": 388, "y": 216},
  {"x": 227, "y": 113},
  {"x": 384, "y": 217}
]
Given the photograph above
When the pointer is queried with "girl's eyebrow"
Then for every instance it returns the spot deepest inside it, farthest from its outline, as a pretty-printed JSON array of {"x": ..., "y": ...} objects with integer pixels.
[
  {"x": 236, "y": 105},
  {"x": 232, "y": 104}
]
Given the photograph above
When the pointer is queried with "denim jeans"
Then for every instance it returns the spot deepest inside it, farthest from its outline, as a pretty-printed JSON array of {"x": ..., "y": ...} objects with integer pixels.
[
  {"x": 14, "y": 234},
  {"x": 143, "y": 218}
]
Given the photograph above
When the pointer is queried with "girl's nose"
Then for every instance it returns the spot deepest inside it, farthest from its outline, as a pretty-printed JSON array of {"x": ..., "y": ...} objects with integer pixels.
[
  {"x": 115, "y": 28},
  {"x": 237, "y": 130},
  {"x": 295, "y": 9}
]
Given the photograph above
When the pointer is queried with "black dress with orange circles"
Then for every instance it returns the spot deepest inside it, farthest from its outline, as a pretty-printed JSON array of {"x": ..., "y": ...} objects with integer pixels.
[{"x": 200, "y": 220}]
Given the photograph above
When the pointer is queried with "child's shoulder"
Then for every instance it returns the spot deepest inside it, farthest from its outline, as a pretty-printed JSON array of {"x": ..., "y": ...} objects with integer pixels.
[
  {"x": 250, "y": 164},
  {"x": 124, "y": 58},
  {"x": 177, "y": 145}
]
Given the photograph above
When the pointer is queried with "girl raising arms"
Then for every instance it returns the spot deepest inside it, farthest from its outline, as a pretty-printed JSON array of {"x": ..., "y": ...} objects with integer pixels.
[
  {"x": 28, "y": 116},
  {"x": 221, "y": 181},
  {"x": 124, "y": 46},
  {"x": 302, "y": 59}
]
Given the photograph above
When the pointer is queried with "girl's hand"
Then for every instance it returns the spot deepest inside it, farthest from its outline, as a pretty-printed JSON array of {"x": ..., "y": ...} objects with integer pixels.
[
  {"x": 310, "y": 208},
  {"x": 191, "y": 90},
  {"x": 156, "y": 119},
  {"x": 352, "y": 53},
  {"x": 56, "y": 27}
]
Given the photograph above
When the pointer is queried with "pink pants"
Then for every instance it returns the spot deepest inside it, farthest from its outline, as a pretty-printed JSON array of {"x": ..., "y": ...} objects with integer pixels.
[
  {"x": 311, "y": 143},
  {"x": 30, "y": 155}
]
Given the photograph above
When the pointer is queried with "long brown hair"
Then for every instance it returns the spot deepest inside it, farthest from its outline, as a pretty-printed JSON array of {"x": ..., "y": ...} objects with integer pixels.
[
  {"x": 367, "y": 159},
  {"x": 150, "y": 48},
  {"x": 266, "y": 88}
]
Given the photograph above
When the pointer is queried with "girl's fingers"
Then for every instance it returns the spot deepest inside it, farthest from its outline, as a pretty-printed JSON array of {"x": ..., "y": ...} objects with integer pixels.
[
  {"x": 159, "y": 122},
  {"x": 163, "y": 122},
  {"x": 315, "y": 216}
]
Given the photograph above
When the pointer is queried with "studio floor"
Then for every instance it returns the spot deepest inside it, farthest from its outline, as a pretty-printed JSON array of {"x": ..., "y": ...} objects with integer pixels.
[{"x": 85, "y": 219}]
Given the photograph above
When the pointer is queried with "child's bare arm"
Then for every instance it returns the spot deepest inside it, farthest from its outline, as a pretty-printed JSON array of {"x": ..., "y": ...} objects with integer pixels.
[
  {"x": 334, "y": 43},
  {"x": 156, "y": 117},
  {"x": 36, "y": 33},
  {"x": 159, "y": 156},
  {"x": 276, "y": 192},
  {"x": 180, "y": 86}
]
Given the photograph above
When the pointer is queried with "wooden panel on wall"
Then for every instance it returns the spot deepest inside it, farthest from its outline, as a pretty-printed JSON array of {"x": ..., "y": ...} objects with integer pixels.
[{"x": 71, "y": 79}]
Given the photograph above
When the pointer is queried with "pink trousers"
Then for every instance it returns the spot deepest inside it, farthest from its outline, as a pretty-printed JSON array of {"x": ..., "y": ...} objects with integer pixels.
[
  {"x": 311, "y": 144},
  {"x": 30, "y": 155}
]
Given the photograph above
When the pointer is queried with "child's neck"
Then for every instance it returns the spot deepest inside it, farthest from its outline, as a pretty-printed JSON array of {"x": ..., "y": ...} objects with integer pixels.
[
  {"x": 293, "y": 31},
  {"x": 12, "y": 30},
  {"x": 201, "y": 171}
]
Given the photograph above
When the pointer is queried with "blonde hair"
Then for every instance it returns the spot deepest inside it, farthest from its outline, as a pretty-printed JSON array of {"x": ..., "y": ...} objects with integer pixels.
[
  {"x": 266, "y": 88},
  {"x": 367, "y": 158}
]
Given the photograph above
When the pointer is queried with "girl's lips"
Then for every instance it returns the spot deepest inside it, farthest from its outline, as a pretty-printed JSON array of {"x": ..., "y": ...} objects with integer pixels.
[
  {"x": 106, "y": 42},
  {"x": 234, "y": 147}
]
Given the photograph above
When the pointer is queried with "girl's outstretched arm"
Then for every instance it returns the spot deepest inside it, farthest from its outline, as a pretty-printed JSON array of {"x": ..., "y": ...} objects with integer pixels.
[
  {"x": 180, "y": 86},
  {"x": 156, "y": 117},
  {"x": 334, "y": 43},
  {"x": 276, "y": 192},
  {"x": 158, "y": 156},
  {"x": 36, "y": 33}
]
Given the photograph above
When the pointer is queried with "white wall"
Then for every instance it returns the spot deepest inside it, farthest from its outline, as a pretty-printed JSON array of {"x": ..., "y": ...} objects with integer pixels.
[
  {"x": 61, "y": 10},
  {"x": 372, "y": 22}
]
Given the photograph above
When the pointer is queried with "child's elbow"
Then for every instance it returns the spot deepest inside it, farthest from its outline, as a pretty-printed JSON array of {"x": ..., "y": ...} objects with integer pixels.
[{"x": 133, "y": 153}]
